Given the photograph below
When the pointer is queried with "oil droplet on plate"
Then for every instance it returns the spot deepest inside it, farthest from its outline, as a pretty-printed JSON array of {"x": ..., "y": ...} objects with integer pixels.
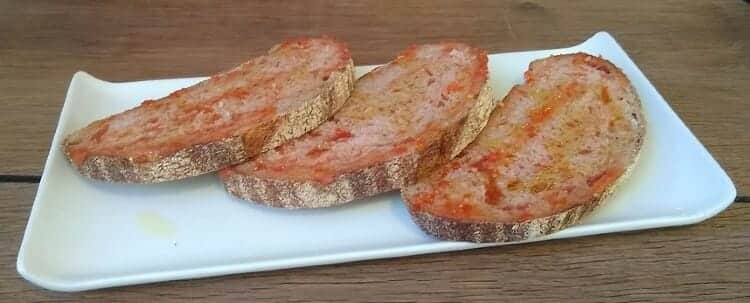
[{"x": 154, "y": 224}]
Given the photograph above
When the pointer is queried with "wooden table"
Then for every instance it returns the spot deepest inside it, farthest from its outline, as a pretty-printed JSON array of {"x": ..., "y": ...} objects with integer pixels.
[{"x": 695, "y": 52}]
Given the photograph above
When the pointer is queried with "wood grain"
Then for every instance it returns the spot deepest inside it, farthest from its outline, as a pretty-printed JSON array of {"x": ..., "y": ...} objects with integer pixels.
[
  {"x": 695, "y": 52},
  {"x": 700, "y": 263}
]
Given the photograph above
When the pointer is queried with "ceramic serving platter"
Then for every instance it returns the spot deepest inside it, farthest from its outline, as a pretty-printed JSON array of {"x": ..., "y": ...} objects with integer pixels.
[{"x": 84, "y": 234}]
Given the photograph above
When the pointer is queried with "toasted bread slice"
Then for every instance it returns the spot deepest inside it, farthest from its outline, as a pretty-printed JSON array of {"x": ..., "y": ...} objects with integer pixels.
[
  {"x": 550, "y": 153},
  {"x": 221, "y": 121},
  {"x": 403, "y": 119}
]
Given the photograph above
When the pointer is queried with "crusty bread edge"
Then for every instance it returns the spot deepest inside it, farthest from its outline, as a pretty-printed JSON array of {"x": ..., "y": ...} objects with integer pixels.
[
  {"x": 488, "y": 232},
  {"x": 383, "y": 177},
  {"x": 209, "y": 157},
  {"x": 485, "y": 232}
]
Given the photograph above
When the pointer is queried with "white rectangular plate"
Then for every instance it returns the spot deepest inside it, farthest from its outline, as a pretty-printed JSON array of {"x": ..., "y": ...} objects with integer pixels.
[{"x": 85, "y": 235}]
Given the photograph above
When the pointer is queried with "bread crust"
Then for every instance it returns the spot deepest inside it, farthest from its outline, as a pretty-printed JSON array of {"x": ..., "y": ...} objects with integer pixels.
[
  {"x": 383, "y": 177},
  {"x": 489, "y": 232},
  {"x": 205, "y": 158}
]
